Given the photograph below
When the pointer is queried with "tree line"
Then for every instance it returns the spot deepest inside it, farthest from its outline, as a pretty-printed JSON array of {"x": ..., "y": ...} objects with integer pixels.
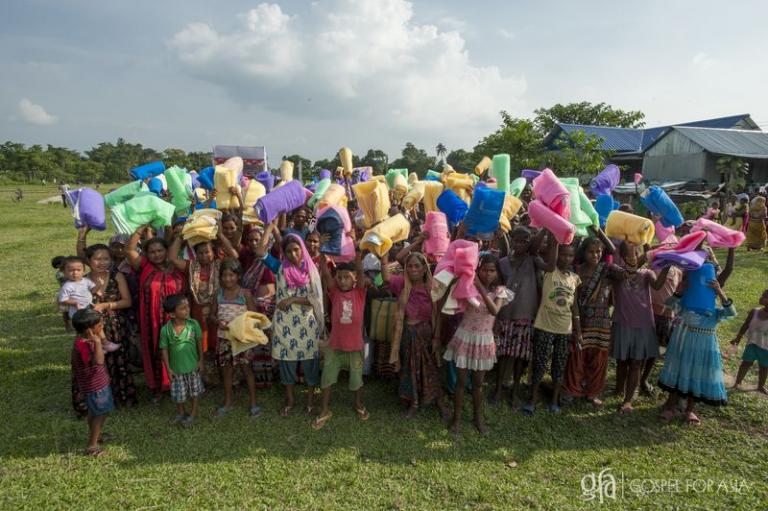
[{"x": 521, "y": 138}]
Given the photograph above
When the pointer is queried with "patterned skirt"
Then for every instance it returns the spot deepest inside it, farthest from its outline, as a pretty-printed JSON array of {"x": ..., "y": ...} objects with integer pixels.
[
  {"x": 513, "y": 338},
  {"x": 419, "y": 374},
  {"x": 471, "y": 350}
]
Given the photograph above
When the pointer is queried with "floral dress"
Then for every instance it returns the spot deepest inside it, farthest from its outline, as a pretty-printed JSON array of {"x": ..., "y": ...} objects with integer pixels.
[{"x": 295, "y": 331}]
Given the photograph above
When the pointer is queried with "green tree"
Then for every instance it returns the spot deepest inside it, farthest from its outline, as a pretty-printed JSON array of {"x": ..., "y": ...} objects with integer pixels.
[
  {"x": 516, "y": 137},
  {"x": 199, "y": 160},
  {"x": 441, "y": 151},
  {"x": 578, "y": 154},
  {"x": 599, "y": 114},
  {"x": 415, "y": 160},
  {"x": 733, "y": 172},
  {"x": 377, "y": 159},
  {"x": 178, "y": 157},
  {"x": 461, "y": 160}
]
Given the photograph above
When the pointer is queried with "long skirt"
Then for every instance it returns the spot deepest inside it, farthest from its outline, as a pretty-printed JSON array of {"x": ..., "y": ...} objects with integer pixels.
[{"x": 419, "y": 374}]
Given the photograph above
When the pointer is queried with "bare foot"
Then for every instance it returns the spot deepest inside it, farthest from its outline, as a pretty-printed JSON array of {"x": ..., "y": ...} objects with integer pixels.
[
  {"x": 626, "y": 408},
  {"x": 763, "y": 389},
  {"x": 597, "y": 403},
  {"x": 481, "y": 427},
  {"x": 453, "y": 429}
]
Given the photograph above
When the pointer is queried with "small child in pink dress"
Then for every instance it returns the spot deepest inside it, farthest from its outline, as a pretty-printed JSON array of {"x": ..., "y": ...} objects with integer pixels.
[{"x": 472, "y": 346}]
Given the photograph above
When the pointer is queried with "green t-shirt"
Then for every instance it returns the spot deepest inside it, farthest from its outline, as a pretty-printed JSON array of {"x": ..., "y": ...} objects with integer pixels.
[{"x": 182, "y": 348}]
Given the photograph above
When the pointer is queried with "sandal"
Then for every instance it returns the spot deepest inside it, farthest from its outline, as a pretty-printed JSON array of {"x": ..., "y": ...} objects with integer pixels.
[
  {"x": 96, "y": 452},
  {"x": 222, "y": 411},
  {"x": 188, "y": 421},
  {"x": 596, "y": 402},
  {"x": 176, "y": 419},
  {"x": 362, "y": 414},
  {"x": 255, "y": 412},
  {"x": 529, "y": 410},
  {"x": 692, "y": 419},
  {"x": 626, "y": 408},
  {"x": 321, "y": 421},
  {"x": 667, "y": 415},
  {"x": 285, "y": 411},
  {"x": 309, "y": 410},
  {"x": 554, "y": 409}
]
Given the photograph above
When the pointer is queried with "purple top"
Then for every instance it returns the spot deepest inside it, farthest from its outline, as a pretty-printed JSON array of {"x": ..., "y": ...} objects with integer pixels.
[
  {"x": 419, "y": 305},
  {"x": 632, "y": 300}
]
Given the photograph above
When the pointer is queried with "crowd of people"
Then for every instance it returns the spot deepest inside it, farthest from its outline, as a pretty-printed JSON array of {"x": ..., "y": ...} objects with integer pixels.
[{"x": 155, "y": 304}]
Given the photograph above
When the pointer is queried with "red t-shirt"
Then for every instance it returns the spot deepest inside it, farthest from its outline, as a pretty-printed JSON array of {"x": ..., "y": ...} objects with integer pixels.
[{"x": 347, "y": 313}]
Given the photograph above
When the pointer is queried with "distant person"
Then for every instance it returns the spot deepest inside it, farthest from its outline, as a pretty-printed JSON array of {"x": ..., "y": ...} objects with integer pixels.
[
  {"x": 64, "y": 188},
  {"x": 19, "y": 195}
]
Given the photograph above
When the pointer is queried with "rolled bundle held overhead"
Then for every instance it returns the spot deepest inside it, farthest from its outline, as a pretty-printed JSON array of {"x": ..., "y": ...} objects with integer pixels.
[
  {"x": 124, "y": 193},
  {"x": 436, "y": 224},
  {"x": 177, "y": 188},
  {"x": 345, "y": 157},
  {"x": 482, "y": 218},
  {"x": 517, "y": 186},
  {"x": 253, "y": 193},
  {"x": 334, "y": 221},
  {"x": 413, "y": 197},
  {"x": 719, "y": 236},
  {"x": 482, "y": 166},
  {"x": 87, "y": 207},
  {"x": 148, "y": 170},
  {"x": 380, "y": 238},
  {"x": 629, "y": 227},
  {"x": 658, "y": 202},
  {"x": 206, "y": 178},
  {"x": 461, "y": 184},
  {"x": 286, "y": 171},
  {"x": 373, "y": 200},
  {"x": 266, "y": 179},
  {"x": 542, "y": 216},
  {"x": 578, "y": 218},
  {"x": 335, "y": 195},
  {"x": 320, "y": 188},
  {"x": 280, "y": 200},
  {"x": 698, "y": 296},
  {"x": 225, "y": 178},
  {"x": 453, "y": 207},
  {"x": 500, "y": 168},
  {"x": 552, "y": 193},
  {"x": 511, "y": 207},
  {"x": 145, "y": 208},
  {"x": 432, "y": 190},
  {"x": 604, "y": 204},
  {"x": 605, "y": 181}
]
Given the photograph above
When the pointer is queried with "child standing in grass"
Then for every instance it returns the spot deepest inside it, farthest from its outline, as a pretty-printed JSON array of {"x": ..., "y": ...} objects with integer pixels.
[
  {"x": 57, "y": 264},
  {"x": 181, "y": 347},
  {"x": 345, "y": 346},
  {"x": 556, "y": 321},
  {"x": 472, "y": 347},
  {"x": 756, "y": 328},
  {"x": 91, "y": 374}
]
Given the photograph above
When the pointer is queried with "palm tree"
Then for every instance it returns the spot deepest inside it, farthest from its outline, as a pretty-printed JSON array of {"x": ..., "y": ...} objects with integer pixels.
[{"x": 441, "y": 151}]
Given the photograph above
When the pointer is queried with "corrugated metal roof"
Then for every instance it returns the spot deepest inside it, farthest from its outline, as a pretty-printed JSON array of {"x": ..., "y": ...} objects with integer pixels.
[
  {"x": 636, "y": 140},
  {"x": 729, "y": 142}
]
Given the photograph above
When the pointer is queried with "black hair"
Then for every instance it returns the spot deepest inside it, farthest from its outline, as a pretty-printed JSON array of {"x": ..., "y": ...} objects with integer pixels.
[
  {"x": 519, "y": 230},
  {"x": 72, "y": 259},
  {"x": 491, "y": 259},
  {"x": 201, "y": 244},
  {"x": 228, "y": 217},
  {"x": 288, "y": 240},
  {"x": 623, "y": 248},
  {"x": 348, "y": 266},
  {"x": 92, "y": 249},
  {"x": 310, "y": 233},
  {"x": 232, "y": 265},
  {"x": 57, "y": 261},
  {"x": 154, "y": 241},
  {"x": 84, "y": 319},
  {"x": 171, "y": 303}
]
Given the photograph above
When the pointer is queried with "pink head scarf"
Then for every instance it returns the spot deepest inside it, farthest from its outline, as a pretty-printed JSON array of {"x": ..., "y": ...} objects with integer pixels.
[{"x": 298, "y": 276}]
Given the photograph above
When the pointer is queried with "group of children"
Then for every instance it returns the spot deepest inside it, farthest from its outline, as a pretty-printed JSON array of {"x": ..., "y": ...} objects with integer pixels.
[{"x": 542, "y": 305}]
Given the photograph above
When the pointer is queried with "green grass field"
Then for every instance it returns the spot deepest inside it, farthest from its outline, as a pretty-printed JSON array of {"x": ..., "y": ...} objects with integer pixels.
[{"x": 385, "y": 463}]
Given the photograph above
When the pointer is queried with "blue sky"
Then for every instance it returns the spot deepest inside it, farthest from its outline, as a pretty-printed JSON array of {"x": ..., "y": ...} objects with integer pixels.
[{"x": 310, "y": 77}]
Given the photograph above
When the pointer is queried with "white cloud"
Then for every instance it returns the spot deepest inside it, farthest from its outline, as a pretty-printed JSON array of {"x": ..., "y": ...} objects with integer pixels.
[
  {"x": 703, "y": 61},
  {"x": 505, "y": 33},
  {"x": 364, "y": 59},
  {"x": 33, "y": 113}
]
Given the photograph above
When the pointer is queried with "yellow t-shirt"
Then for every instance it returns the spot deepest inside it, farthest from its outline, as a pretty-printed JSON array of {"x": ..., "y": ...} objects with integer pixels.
[{"x": 557, "y": 294}]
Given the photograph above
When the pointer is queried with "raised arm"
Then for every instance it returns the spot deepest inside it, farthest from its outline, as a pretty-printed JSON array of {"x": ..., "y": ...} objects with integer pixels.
[
  {"x": 533, "y": 248},
  {"x": 417, "y": 242},
  {"x": 173, "y": 255},
  {"x": 660, "y": 279},
  {"x": 325, "y": 274},
  {"x": 608, "y": 245},
  {"x": 492, "y": 306},
  {"x": 551, "y": 262},
  {"x": 261, "y": 249},
  {"x": 385, "y": 268},
  {"x": 226, "y": 245},
  {"x": 82, "y": 234},
  {"x": 131, "y": 252},
  {"x": 723, "y": 277}
]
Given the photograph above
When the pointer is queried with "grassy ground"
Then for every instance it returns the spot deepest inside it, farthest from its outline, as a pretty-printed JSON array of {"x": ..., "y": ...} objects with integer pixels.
[{"x": 385, "y": 463}]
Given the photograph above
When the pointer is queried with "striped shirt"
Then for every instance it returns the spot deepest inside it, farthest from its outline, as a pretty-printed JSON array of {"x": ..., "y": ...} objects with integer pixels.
[{"x": 89, "y": 375}]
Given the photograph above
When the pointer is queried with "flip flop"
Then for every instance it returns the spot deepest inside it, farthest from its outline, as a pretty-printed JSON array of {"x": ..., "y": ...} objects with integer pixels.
[
  {"x": 692, "y": 419},
  {"x": 362, "y": 414},
  {"x": 321, "y": 421},
  {"x": 667, "y": 415},
  {"x": 528, "y": 410},
  {"x": 285, "y": 411},
  {"x": 255, "y": 412},
  {"x": 626, "y": 408},
  {"x": 188, "y": 421},
  {"x": 96, "y": 452},
  {"x": 222, "y": 411}
]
